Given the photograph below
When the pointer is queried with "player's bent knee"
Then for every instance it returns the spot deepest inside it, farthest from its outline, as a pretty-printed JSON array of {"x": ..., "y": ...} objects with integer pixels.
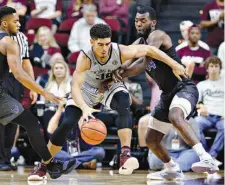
[
  {"x": 121, "y": 102},
  {"x": 66, "y": 125},
  {"x": 176, "y": 116}
]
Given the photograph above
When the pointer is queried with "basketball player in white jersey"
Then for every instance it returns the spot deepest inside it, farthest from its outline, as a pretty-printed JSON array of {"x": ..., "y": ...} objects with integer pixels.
[{"x": 94, "y": 67}]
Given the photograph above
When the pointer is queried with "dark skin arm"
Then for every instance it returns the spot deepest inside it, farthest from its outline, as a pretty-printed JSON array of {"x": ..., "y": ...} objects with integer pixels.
[
  {"x": 11, "y": 49},
  {"x": 157, "y": 38}
]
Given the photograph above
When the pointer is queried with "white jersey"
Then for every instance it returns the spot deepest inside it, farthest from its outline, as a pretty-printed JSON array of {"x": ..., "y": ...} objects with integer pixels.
[
  {"x": 99, "y": 72},
  {"x": 96, "y": 75}
]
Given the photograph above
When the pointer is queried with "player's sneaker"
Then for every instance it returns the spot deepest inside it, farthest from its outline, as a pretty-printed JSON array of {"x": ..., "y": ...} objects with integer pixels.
[
  {"x": 58, "y": 167},
  {"x": 170, "y": 174},
  {"x": 205, "y": 165},
  {"x": 39, "y": 173},
  {"x": 127, "y": 163}
]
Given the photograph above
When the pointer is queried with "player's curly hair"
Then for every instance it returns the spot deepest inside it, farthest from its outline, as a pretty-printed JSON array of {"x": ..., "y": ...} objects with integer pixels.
[
  {"x": 6, "y": 10},
  {"x": 100, "y": 31},
  {"x": 147, "y": 9}
]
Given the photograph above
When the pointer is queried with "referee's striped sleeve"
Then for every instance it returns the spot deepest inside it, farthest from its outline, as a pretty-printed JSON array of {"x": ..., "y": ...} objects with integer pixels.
[{"x": 21, "y": 39}]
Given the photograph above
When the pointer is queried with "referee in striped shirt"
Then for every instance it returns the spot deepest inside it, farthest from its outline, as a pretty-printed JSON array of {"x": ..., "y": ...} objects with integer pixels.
[{"x": 15, "y": 89}]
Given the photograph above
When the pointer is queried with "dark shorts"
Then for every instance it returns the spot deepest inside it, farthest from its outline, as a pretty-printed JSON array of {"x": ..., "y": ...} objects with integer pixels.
[
  {"x": 9, "y": 108},
  {"x": 184, "y": 95}
]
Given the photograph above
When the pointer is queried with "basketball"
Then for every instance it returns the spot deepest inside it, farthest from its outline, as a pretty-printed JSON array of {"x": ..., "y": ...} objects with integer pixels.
[{"x": 93, "y": 132}]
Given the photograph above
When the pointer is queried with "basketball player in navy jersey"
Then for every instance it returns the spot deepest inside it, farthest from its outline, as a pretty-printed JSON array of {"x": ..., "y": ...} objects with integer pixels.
[
  {"x": 95, "y": 66},
  {"x": 12, "y": 111},
  {"x": 177, "y": 102}
]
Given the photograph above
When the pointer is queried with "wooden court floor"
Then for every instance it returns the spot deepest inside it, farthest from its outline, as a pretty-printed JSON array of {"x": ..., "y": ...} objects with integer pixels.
[{"x": 107, "y": 177}]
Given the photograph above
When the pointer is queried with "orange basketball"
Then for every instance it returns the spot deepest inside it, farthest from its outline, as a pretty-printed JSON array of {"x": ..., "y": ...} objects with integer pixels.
[{"x": 93, "y": 132}]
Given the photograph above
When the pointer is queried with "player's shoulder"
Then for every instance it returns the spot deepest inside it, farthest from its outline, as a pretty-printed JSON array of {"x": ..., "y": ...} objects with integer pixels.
[
  {"x": 182, "y": 46},
  {"x": 157, "y": 33},
  {"x": 203, "y": 45},
  {"x": 7, "y": 40}
]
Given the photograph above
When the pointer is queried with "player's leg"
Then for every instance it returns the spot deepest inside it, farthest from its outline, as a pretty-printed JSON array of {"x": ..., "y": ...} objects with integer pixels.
[
  {"x": 156, "y": 131},
  {"x": 56, "y": 142},
  {"x": 71, "y": 118},
  {"x": 181, "y": 107},
  {"x": 121, "y": 103}
]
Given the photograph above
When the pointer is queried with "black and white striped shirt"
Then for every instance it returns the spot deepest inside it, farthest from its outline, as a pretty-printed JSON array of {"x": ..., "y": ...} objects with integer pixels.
[{"x": 21, "y": 39}]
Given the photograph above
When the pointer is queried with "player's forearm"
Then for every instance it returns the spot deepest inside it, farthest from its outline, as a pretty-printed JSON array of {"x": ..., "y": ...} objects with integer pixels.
[
  {"x": 28, "y": 82},
  {"x": 134, "y": 69},
  {"x": 27, "y": 67},
  {"x": 54, "y": 121},
  {"x": 155, "y": 53},
  {"x": 77, "y": 96},
  {"x": 207, "y": 24}
]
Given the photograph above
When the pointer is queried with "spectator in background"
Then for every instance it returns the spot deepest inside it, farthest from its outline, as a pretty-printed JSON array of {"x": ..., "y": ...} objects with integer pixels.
[
  {"x": 75, "y": 8},
  {"x": 211, "y": 105},
  {"x": 80, "y": 34},
  {"x": 212, "y": 18},
  {"x": 193, "y": 54},
  {"x": 44, "y": 47},
  {"x": 59, "y": 85},
  {"x": 59, "y": 79},
  {"x": 184, "y": 27},
  {"x": 43, "y": 79},
  {"x": 221, "y": 55},
  {"x": 115, "y": 8},
  {"x": 19, "y": 5},
  {"x": 47, "y": 9}
]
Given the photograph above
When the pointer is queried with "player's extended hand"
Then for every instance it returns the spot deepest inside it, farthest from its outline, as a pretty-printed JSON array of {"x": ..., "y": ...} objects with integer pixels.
[
  {"x": 179, "y": 71},
  {"x": 51, "y": 97},
  {"x": 116, "y": 75},
  {"x": 33, "y": 97},
  {"x": 87, "y": 113}
]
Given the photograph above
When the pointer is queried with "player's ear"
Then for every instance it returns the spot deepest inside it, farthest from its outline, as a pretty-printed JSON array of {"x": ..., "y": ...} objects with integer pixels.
[
  {"x": 153, "y": 23},
  {"x": 4, "y": 23},
  {"x": 92, "y": 42}
]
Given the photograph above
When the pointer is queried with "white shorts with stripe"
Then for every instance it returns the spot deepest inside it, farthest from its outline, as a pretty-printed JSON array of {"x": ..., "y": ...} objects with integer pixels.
[{"x": 93, "y": 98}]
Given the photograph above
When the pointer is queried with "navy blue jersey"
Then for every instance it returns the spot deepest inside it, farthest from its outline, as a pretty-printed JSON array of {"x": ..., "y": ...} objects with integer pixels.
[
  {"x": 4, "y": 67},
  {"x": 161, "y": 72}
]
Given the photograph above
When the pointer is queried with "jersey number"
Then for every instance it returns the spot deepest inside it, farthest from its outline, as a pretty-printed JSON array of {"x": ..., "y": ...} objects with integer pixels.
[{"x": 104, "y": 76}]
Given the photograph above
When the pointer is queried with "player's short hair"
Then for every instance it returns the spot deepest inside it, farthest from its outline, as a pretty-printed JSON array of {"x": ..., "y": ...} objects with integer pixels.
[
  {"x": 213, "y": 60},
  {"x": 100, "y": 31},
  {"x": 193, "y": 26},
  {"x": 6, "y": 10},
  {"x": 147, "y": 9}
]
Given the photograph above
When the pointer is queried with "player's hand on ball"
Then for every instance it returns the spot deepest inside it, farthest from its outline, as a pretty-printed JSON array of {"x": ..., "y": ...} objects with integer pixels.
[
  {"x": 87, "y": 113},
  {"x": 51, "y": 97},
  {"x": 179, "y": 71},
  {"x": 116, "y": 75}
]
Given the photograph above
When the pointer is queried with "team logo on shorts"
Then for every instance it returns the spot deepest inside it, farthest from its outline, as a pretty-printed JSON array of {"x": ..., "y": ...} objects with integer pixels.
[
  {"x": 114, "y": 62},
  {"x": 15, "y": 110},
  {"x": 151, "y": 65}
]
